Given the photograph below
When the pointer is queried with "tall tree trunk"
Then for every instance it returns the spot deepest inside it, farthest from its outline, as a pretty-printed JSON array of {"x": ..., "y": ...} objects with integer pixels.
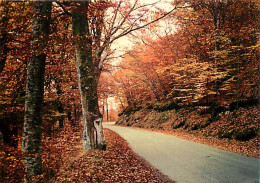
[
  {"x": 3, "y": 38},
  {"x": 76, "y": 115},
  {"x": 107, "y": 109},
  {"x": 93, "y": 137},
  {"x": 60, "y": 111},
  {"x": 34, "y": 91},
  {"x": 103, "y": 107},
  {"x": 59, "y": 103}
]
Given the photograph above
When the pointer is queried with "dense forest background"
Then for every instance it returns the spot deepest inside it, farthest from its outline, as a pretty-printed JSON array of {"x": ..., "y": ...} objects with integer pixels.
[
  {"x": 196, "y": 70},
  {"x": 203, "y": 77}
]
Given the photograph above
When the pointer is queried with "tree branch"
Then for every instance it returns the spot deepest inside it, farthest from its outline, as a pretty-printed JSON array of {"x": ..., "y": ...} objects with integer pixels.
[{"x": 140, "y": 27}]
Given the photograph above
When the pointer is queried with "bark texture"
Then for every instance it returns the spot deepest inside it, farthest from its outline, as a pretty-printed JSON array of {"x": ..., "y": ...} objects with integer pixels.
[
  {"x": 88, "y": 75},
  {"x": 34, "y": 92}
]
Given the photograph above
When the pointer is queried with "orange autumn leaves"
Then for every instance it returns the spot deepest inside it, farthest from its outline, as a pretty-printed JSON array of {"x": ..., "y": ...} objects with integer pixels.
[{"x": 185, "y": 67}]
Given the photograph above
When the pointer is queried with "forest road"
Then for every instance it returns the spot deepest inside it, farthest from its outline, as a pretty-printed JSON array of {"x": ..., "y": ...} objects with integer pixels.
[{"x": 186, "y": 161}]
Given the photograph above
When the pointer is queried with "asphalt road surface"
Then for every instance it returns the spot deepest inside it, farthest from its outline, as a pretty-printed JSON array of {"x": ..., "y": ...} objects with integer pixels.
[{"x": 186, "y": 161}]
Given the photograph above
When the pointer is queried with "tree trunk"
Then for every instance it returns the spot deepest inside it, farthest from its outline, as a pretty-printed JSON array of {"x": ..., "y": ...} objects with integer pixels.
[
  {"x": 59, "y": 103},
  {"x": 3, "y": 39},
  {"x": 103, "y": 107},
  {"x": 93, "y": 137},
  {"x": 34, "y": 92},
  {"x": 76, "y": 115},
  {"x": 107, "y": 109},
  {"x": 60, "y": 111}
]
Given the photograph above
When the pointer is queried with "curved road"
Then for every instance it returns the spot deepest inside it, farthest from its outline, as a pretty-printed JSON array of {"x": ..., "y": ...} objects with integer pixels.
[{"x": 187, "y": 161}]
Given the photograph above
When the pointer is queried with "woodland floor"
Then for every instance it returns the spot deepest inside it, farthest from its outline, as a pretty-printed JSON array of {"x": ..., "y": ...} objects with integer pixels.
[{"x": 117, "y": 164}]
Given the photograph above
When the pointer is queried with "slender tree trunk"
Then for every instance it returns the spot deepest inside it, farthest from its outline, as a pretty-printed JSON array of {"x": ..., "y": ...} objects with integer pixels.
[
  {"x": 107, "y": 110},
  {"x": 103, "y": 108},
  {"x": 93, "y": 137},
  {"x": 75, "y": 113},
  {"x": 34, "y": 92},
  {"x": 3, "y": 51},
  {"x": 3, "y": 38},
  {"x": 59, "y": 104},
  {"x": 60, "y": 111}
]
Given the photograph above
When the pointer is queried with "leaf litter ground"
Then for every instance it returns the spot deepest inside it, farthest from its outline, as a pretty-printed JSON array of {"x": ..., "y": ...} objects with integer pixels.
[{"x": 117, "y": 164}]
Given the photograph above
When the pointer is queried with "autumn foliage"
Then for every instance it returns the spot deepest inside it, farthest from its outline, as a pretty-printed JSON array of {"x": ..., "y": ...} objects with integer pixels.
[
  {"x": 201, "y": 78},
  {"x": 186, "y": 68}
]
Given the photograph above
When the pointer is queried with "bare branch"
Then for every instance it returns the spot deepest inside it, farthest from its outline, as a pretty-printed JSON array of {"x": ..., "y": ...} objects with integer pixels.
[{"x": 142, "y": 26}]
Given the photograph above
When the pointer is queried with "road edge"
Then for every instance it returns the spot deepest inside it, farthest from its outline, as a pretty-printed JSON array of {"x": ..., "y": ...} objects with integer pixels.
[{"x": 156, "y": 172}]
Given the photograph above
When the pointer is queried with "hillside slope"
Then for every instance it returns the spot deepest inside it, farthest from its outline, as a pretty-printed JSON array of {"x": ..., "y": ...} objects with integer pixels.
[{"x": 235, "y": 128}]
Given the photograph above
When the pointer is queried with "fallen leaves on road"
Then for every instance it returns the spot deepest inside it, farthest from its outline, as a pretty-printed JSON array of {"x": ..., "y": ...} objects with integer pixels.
[{"x": 117, "y": 164}]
